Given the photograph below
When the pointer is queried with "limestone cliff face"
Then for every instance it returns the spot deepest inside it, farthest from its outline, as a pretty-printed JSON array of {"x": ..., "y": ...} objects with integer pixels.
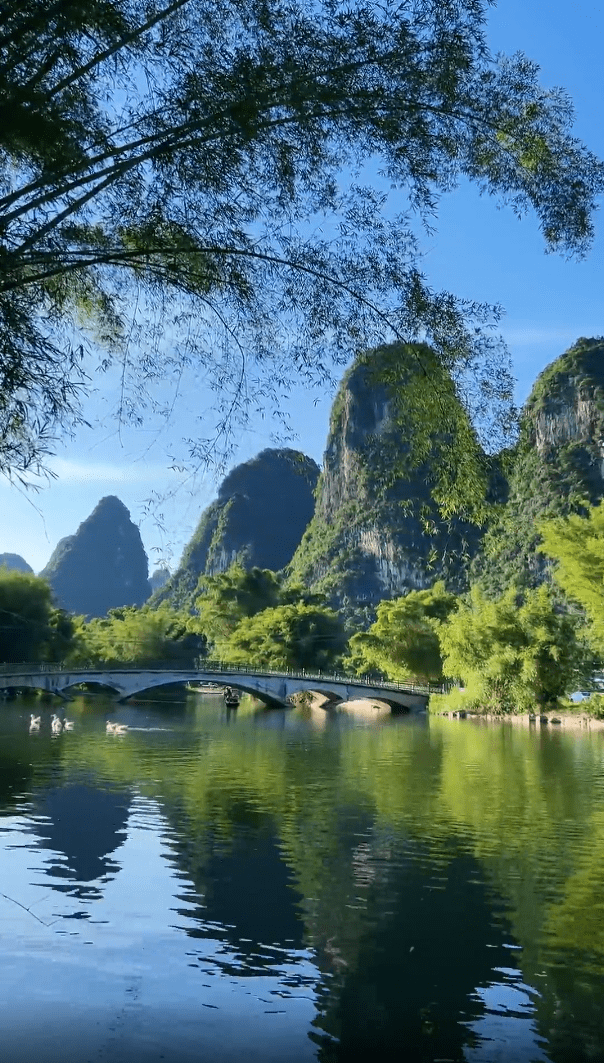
[
  {"x": 557, "y": 467},
  {"x": 371, "y": 538},
  {"x": 258, "y": 519},
  {"x": 360, "y": 414},
  {"x": 564, "y": 417},
  {"x": 102, "y": 566}
]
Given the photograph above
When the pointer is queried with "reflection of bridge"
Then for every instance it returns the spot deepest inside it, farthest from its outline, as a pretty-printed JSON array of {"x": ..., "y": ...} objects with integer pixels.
[{"x": 274, "y": 688}]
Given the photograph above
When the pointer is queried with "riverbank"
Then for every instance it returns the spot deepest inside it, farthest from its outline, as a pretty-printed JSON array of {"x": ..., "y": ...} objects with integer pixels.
[{"x": 560, "y": 718}]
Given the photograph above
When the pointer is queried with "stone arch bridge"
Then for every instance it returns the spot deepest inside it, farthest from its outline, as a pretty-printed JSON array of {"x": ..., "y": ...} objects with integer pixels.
[{"x": 273, "y": 688}]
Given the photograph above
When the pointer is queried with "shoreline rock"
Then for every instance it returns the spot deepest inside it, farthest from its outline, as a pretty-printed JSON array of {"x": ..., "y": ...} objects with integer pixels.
[{"x": 571, "y": 720}]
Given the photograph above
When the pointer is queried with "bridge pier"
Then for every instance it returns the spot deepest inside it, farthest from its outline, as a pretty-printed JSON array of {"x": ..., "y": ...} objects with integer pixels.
[
  {"x": 274, "y": 689},
  {"x": 61, "y": 694}
]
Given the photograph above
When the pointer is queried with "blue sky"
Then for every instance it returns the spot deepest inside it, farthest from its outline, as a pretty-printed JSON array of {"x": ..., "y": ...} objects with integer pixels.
[{"x": 478, "y": 252}]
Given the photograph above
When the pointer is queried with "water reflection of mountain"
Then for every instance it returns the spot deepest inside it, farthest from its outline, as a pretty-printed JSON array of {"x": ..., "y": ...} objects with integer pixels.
[
  {"x": 86, "y": 825},
  {"x": 403, "y": 941},
  {"x": 247, "y": 895},
  {"x": 361, "y": 845},
  {"x": 429, "y": 940},
  {"x": 249, "y": 889}
]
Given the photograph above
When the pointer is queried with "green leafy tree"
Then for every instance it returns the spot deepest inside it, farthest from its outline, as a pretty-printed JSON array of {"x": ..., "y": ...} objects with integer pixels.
[
  {"x": 289, "y": 636},
  {"x": 31, "y": 628},
  {"x": 230, "y": 596},
  {"x": 576, "y": 545},
  {"x": 61, "y": 636},
  {"x": 169, "y": 163},
  {"x": 511, "y": 657},
  {"x": 403, "y": 642},
  {"x": 144, "y": 636}
]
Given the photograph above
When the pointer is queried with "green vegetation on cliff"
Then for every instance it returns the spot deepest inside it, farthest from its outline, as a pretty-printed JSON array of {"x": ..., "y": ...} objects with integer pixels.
[
  {"x": 378, "y": 528},
  {"x": 555, "y": 469}
]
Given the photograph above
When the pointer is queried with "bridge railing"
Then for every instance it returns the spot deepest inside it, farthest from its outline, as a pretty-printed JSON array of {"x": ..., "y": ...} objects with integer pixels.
[{"x": 217, "y": 668}]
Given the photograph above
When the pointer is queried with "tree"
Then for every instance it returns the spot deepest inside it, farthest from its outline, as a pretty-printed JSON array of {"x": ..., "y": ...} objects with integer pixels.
[
  {"x": 403, "y": 642},
  {"x": 230, "y": 596},
  {"x": 61, "y": 635},
  {"x": 179, "y": 168},
  {"x": 142, "y": 635},
  {"x": 288, "y": 636},
  {"x": 236, "y": 594},
  {"x": 512, "y": 657},
  {"x": 576, "y": 545},
  {"x": 31, "y": 629}
]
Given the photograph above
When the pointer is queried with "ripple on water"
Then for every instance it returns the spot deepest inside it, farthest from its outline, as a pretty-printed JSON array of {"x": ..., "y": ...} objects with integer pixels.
[{"x": 263, "y": 888}]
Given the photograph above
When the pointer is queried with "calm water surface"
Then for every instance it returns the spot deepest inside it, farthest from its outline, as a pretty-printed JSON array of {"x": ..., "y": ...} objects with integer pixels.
[{"x": 290, "y": 887}]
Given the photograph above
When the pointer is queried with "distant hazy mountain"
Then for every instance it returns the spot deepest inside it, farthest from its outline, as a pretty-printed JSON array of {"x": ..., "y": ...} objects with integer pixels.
[
  {"x": 15, "y": 561},
  {"x": 158, "y": 577},
  {"x": 103, "y": 565},
  {"x": 259, "y": 517}
]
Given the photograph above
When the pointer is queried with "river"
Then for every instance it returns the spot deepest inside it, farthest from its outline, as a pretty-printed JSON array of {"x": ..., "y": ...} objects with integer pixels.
[{"x": 284, "y": 887}]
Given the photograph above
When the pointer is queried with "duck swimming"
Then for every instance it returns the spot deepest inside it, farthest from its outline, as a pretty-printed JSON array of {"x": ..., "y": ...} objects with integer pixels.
[
  {"x": 116, "y": 728},
  {"x": 34, "y": 722},
  {"x": 56, "y": 724}
]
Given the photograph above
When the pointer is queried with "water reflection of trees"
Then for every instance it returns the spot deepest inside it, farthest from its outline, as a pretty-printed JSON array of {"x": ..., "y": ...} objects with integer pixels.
[
  {"x": 329, "y": 839},
  {"x": 426, "y": 946},
  {"x": 23, "y": 758},
  {"x": 497, "y": 798}
]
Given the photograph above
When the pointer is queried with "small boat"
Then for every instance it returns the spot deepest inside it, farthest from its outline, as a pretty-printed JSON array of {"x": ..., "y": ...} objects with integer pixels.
[
  {"x": 231, "y": 698},
  {"x": 201, "y": 688}
]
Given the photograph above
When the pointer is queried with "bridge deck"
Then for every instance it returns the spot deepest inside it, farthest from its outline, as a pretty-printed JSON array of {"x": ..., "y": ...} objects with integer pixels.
[
  {"x": 214, "y": 668},
  {"x": 272, "y": 687}
]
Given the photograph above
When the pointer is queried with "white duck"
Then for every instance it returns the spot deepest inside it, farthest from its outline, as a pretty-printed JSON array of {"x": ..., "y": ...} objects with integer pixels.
[
  {"x": 56, "y": 724},
  {"x": 68, "y": 725},
  {"x": 34, "y": 722},
  {"x": 116, "y": 728}
]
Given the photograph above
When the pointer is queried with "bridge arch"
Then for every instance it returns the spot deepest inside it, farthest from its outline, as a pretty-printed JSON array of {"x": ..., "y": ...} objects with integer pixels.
[{"x": 274, "y": 688}]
